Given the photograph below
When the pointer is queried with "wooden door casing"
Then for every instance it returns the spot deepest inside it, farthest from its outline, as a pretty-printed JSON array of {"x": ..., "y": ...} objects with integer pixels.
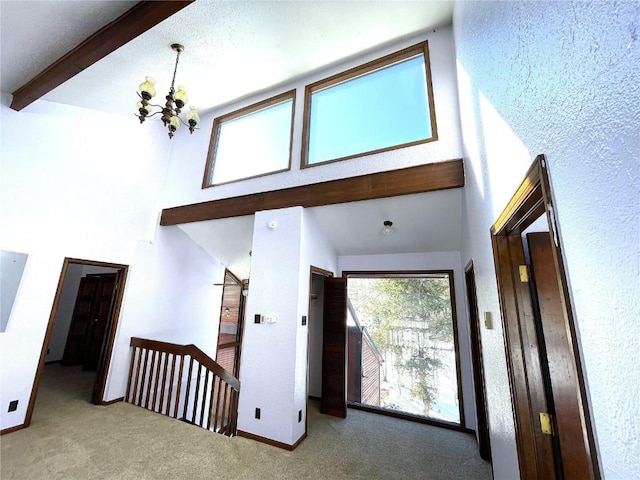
[
  {"x": 532, "y": 371},
  {"x": 561, "y": 367},
  {"x": 334, "y": 348},
  {"x": 484, "y": 440}
]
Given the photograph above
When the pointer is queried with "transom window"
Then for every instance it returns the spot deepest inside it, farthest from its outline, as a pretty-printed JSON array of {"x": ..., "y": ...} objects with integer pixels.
[
  {"x": 382, "y": 105},
  {"x": 252, "y": 141}
]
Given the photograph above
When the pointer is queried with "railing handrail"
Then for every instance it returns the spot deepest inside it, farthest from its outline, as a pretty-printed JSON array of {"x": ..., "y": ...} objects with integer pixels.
[
  {"x": 182, "y": 380},
  {"x": 191, "y": 350}
]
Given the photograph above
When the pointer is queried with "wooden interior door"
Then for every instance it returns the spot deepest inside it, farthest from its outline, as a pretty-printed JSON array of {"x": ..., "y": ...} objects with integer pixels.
[
  {"x": 484, "y": 441},
  {"x": 90, "y": 320},
  {"x": 82, "y": 312},
  {"x": 334, "y": 348},
  {"x": 560, "y": 371},
  {"x": 103, "y": 302}
]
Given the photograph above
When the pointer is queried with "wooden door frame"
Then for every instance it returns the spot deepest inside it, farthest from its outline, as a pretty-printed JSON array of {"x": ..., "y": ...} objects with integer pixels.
[
  {"x": 105, "y": 359},
  {"x": 532, "y": 199},
  {"x": 460, "y": 426},
  {"x": 477, "y": 364},
  {"x": 327, "y": 274}
]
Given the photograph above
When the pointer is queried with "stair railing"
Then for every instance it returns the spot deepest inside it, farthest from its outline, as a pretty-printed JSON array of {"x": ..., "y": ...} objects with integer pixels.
[{"x": 182, "y": 382}]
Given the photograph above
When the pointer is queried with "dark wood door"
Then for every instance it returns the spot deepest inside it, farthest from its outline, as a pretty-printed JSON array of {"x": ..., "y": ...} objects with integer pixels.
[
  {"x": 484, "y": 442},
  {"x": 560, "y": 371},
  {"x": 99, "y": 321},
  {"x": 90, "y": 320},
  {"x": 82, "y": 312},
  {"x": 334, "y": 348}
]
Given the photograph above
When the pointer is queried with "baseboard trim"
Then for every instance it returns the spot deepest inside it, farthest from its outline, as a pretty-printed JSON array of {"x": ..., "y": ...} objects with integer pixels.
[
  {"x": 13, "y": 429},
  {"x": 273, "y": 443},
  {"x": 111, "y": 402}
]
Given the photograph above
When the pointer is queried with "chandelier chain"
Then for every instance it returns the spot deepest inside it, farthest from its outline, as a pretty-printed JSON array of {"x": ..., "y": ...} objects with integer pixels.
[{"x": 175, "y": 69}]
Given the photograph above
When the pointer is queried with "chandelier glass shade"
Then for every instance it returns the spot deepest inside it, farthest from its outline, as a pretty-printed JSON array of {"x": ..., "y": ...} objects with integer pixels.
[{"x": 176, "y": 100}]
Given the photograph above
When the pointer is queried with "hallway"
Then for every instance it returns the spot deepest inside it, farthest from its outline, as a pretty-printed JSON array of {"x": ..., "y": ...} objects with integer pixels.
[{"x": 72, "y": 439}]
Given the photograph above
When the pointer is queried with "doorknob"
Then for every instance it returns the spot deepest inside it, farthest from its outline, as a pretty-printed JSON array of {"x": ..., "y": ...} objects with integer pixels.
[{"x": 95, "y": 320}]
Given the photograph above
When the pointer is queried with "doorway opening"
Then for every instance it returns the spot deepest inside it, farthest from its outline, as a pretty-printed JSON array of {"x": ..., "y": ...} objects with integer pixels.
[
  {"x": 402, "y": 340},
  {"x": 231, "y": 323},
  {"x": 82, "y": 326},
  {"x": 477, "y": 362},
  {"x": 554, "y": 437}
]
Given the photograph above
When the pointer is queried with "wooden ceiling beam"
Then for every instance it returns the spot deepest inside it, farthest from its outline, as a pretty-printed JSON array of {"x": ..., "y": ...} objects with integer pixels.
[
  {"x": 141, "y": 17},
  {"x": 405, "y": 181}
]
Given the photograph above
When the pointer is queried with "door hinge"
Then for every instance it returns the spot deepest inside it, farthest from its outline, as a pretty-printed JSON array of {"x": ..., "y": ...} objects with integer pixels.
[
  {"x": 546, "y": 423},
  {"x": 524, "y": 273}
]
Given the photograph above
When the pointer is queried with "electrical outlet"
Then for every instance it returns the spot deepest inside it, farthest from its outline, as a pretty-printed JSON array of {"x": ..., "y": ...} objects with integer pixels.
[
  {"x": 13, "y": 405},
  {"x": 304, "y": 320},
  {"x": 258, "y": 413},
  {"x": 299, "y": 416}
]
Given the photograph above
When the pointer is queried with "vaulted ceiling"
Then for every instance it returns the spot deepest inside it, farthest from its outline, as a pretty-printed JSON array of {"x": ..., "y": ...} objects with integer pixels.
[{"x": 235, "y": 49}]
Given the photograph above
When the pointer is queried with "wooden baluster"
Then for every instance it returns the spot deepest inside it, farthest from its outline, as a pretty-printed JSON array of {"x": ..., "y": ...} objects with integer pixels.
[
  {"x": 133, "y": 358},
  {"x": 213, "y": 392},
  {"x": 204, "y": 396},
  {"x": 186, "y": 396},
  {"x": 223, "y": 413},
  {"x": 143, "y": 378},
  {"x": 164, "y": 383},
  {"x": 233, "y": 421},
  {"x": 195, "y": 397},
  {"x": 155, "y": 387},
  {"x": 175, "y": 408},
  {"x": 216, "y": 411},
  {"x": 153, "y": 362}
]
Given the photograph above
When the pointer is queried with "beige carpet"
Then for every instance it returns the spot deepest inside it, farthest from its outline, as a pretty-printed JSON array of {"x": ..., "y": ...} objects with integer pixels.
[{"x": 71, "y": 439}]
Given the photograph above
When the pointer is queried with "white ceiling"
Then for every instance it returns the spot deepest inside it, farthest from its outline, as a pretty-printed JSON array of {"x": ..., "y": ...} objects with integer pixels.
[
  {"x": 424, "y": 222},
  {"x": 235, "y": 49}
]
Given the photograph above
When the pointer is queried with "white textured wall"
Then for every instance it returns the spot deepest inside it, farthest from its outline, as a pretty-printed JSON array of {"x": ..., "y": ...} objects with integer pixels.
[
  {"x": 169, "y": 296},
  {"x": 430, "y": 261},
  {"x": 273, "y": 372},
  {"x": 61, "y": 324},
  {"x": 560, "y": 78},
  {"x": 69, "y": 189},
  {"x": 184, "y": 180},
  {"x": 269, "y": 350},
  {"x": 317, "y": 251}
]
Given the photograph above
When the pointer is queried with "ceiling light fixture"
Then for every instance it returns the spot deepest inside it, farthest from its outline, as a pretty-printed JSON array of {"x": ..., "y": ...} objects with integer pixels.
[
  {"x": 176, "y": 100},
  {"x": 388, "y": 227}
]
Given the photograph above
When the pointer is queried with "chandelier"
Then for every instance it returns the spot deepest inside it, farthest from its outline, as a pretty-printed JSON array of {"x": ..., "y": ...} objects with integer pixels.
[{"x": 176, "y": 100}]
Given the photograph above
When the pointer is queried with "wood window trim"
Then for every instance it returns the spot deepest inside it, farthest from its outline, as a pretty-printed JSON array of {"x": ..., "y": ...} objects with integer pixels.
[
  {"x": 454, "y": 319},
  {"x": 243, "y": 112},
  {"x": 421, "y": 48},
  {"x": 533, "y": 198}
]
